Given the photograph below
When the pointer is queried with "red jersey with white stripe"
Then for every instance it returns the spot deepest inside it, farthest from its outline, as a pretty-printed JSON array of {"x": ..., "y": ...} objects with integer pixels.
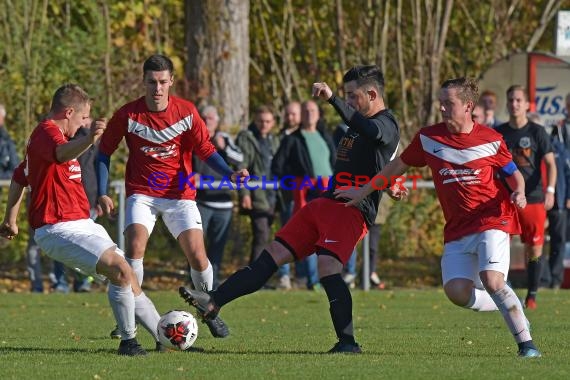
[
  {"x": 56, "y": 192},
  {"x": 160, "y": 145},
  {"x": 463, "y": 166}
]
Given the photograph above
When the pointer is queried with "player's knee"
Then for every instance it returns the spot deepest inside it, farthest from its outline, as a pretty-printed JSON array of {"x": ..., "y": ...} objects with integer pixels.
[
  {"x": 492, "y": 281},
  {"x": 458, "y": 292},
  {"x": 115, "y": 268}
]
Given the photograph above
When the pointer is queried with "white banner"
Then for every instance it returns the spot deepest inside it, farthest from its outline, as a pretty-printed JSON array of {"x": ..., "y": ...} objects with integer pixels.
[{"x": 563, "y": 33}]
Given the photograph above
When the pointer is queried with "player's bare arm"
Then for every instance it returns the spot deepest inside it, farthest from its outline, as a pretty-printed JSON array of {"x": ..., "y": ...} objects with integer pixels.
[
  {"x": 516, "y": 182},
  {"x": 76, "y": 147},
  {"x": 9, "y": 227},
  {"x": 551, "y": 180},
  {"x": 107, "y": 205}
]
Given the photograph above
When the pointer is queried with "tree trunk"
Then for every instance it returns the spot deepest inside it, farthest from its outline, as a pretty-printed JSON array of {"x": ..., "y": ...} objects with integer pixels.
[{"x": 217, "y": 42}]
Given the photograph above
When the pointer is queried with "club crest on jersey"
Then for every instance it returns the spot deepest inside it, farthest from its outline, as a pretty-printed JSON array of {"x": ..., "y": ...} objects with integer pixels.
[{"x": 524, "y": 142}]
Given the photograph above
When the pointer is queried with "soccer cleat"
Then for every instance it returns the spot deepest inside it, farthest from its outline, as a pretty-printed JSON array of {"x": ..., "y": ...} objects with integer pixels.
[
  {"x": 207, "y": 309},
  {"x": 345, "y": 348},
  {"x": 116, "y": 333},
  {"x": 202, "y": 301},
  {"x": 131, "y": 347},
  {"x": 284, "y": 283},
  {"x": 530, "y": 303},
  {"x": 218, "y": 327},
  {"x": 161, "y": 348},
  {"x": 528, "y": 352}
]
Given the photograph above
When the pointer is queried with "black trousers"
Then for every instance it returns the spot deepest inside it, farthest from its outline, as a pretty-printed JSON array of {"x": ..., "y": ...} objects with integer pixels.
[{"x": 553, "y": 271}]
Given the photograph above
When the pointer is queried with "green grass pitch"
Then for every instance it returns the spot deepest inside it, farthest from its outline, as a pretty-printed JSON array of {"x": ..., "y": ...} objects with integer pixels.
[{"x": 405, "y": 334}]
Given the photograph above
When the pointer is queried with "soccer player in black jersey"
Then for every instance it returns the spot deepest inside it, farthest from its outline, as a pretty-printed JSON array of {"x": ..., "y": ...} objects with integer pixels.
[{"x": 325, "y": 225}]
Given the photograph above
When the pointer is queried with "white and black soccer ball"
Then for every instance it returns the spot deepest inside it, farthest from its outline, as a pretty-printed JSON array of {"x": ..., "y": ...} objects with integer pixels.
[{"x": 177, "y": 329}]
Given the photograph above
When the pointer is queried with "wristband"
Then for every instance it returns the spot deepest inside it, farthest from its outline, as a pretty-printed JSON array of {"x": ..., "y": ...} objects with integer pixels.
[{"x": 550, "y": 189}]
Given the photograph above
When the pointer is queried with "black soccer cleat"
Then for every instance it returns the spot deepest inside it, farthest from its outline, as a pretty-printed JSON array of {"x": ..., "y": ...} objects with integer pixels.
[
  {"x": 345, "y": 348},
  {"x": 218, "y": 327},
  {"x": 202, "y": 301},
  {"x": 131, "y": 347},
  {"x": 116, "y": 333},
  {"x": 207, "y": 309},
  {"x": 161, "y": 348}
]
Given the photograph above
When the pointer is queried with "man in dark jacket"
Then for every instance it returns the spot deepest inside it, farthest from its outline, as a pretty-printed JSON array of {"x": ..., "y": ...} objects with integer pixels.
[
  {"x": 216, "y": 204},
  {"x": 258, "y": 146},
  {"x": 553, "y": 270},
  {"x": 306, "y": 158}
]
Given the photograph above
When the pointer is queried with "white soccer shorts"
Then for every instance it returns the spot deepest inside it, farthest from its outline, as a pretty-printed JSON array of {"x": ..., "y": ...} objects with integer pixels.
[
  {"x": 77, "y": 244},
  {"x": 178, "y": 215},
  {"x": 472, "y": 254}
]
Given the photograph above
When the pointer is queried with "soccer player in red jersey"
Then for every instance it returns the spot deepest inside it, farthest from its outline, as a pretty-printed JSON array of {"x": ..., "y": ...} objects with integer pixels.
[
  {"x": 479, "y": 212},
  {"x": 162, "y": 133},
  {"x": 324, "y": 225},
  {"x": 59, "y": 209}
]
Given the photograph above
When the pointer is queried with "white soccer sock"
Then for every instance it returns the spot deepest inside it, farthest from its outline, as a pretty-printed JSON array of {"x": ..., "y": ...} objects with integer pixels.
[
  {"x": 510, "y": 307},
  {"x": 481, "y": 301},
  {"x": 122, "y": 302},
  {"x": 146, "y": 314},
  {"x": 203, "y": 280},
  {"x": 137, "y": 265}
]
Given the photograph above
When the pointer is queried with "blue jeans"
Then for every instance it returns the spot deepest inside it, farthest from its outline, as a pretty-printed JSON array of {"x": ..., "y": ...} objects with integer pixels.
[
  {"x": 308, "y": 268},
  {"x": 351, "y": 263},
  {"x": 216, "y": 224},
  {"x": 285, "y": 215},
  {"x": 57, "y": 276}
]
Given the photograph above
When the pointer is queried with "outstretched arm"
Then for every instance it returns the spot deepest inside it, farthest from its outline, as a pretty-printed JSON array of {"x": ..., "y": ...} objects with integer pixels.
[
  {"x": 216, "y": 162},
  {"x": 395, "y": 168},
  {"x": 383, "y": 129},
  {"x": 9, "y": 227}
]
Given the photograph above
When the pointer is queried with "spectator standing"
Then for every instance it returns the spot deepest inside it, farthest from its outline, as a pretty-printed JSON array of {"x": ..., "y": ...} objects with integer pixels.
[
  {"x": 488, "y": 100},
  {"x": 216, "y": 205},
  {"x": 553, "y": 270},
  {"x": 307, "y": 157}
]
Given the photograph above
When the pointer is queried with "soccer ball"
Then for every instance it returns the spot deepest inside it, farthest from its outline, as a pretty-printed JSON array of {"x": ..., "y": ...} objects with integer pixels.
[{"x": 177, "y": 329}]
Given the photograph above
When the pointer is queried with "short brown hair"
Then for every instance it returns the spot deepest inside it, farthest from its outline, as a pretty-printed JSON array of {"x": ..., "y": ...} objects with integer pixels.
[
  {"x": 489, "y": 93},
  {"x": 69, "y": 96},
  {"x": 467, "y": 88},
  {"x": 264, "y": 109},
  {"x": 518, "y": 87}
]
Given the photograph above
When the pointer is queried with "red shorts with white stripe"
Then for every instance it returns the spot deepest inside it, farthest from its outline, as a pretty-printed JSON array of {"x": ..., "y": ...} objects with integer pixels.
[
  {"x": 323, "y": 223},
  {"x": 532, "y": 219}
]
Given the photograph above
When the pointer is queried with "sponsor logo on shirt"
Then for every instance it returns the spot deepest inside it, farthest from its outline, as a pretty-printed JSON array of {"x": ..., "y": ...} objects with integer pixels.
[
  {"x": 160, "y": 151},
  {"x": 74, "y": 170},
  {"x": 466, "y": 176}
]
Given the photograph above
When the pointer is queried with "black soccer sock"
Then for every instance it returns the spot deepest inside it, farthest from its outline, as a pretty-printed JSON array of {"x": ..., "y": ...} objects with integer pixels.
[
  {"x": 340, "y": 302},
  {"x": 246, "y": 280},
  {"x": 534, "y": 271}
]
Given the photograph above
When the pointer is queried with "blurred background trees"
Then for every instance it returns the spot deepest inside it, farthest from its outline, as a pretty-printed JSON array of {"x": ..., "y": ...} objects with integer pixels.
[{"x": 237, "y": 54}]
